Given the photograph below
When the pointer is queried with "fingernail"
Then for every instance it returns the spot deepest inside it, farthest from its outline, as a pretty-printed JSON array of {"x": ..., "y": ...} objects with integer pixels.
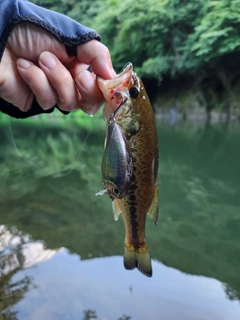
[
  {"x": 86, "y": 79},
  {"x": 23, "y": 64},
  {"x": 48, "y": 60}
]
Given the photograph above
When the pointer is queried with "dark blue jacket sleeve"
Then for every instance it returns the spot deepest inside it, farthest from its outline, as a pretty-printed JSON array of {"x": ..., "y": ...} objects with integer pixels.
[{"x": 66, "y": 30}]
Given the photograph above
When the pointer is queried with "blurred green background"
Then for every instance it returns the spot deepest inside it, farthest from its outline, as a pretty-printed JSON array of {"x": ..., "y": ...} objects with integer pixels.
[{"x": 187, "y": 52}]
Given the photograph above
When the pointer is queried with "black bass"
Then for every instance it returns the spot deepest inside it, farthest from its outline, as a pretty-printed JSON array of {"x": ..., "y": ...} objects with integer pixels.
[{"x": 128, "y": 108}]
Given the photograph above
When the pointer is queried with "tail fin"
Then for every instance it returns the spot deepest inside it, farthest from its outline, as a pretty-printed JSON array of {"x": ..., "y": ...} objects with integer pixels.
[{"x": 140, "y": 260}]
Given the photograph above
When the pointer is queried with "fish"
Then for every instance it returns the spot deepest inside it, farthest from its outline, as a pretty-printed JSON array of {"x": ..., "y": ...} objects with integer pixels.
[{"x": 128, "y": 107}]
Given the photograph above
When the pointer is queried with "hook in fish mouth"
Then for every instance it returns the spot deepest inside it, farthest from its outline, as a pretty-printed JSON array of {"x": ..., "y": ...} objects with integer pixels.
[{"x": 112, "y": 116}]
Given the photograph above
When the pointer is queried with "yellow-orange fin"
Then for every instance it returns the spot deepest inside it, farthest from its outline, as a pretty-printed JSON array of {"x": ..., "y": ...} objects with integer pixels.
[
  {"x": 116, "y": 210},
  {"x": 153, "y": 211},
  {"x": 142, "y": 261}
]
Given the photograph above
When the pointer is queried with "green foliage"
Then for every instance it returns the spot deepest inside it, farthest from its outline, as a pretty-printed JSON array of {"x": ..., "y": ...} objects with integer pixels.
[
  {"x": 219, "y": 30},
  {"x": 63, "y": 6},
  {"x": 82, "y": 10},
  {"x": 171, "y": 35},
  {"x": 152, "y": 34},
  {"x": 168, "y": 40}
]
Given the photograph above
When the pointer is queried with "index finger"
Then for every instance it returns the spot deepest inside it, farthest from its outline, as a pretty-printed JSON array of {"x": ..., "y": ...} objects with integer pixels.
[{"x": 97, "y": 55}]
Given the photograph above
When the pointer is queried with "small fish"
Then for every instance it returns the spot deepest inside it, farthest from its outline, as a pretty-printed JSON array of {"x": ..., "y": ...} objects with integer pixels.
[{"x": 128, "y": 107}]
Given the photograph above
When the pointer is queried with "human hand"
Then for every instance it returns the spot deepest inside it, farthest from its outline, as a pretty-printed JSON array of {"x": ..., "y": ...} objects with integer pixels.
[{"x": 35, "y": 63}]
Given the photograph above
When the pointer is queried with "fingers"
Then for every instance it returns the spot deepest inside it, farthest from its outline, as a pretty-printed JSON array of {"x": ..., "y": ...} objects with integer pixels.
[
  {"x": 87, "y": 85},
  {"x": 54, "y": 78},
  {"x": 68, "y": 96},
  {"x": 69, "y": 86},
  {"x": 52, "y": 83},
  {"x": 97, "y": 55},
  {"x": 75, "y": 89},
  {"x": 37, "y": 81}
]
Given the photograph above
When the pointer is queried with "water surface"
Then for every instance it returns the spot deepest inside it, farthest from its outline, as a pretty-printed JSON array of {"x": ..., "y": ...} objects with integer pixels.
[{"x": 61, "y": 250}]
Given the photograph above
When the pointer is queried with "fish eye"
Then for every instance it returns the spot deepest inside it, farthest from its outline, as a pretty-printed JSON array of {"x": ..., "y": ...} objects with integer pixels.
[
  {"x": 115, "y": 191},
  {"x": 133, "y": 92}
]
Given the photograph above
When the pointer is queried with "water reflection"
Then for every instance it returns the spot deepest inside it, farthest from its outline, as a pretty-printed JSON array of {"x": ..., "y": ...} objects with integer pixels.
[
  {"x": 54, "y": 284},
  {"x": 198, "y": 231},
  {"x": 11, "y": 261}
]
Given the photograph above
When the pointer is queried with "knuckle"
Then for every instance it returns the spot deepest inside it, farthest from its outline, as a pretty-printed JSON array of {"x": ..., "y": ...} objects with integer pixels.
[
  {"x": 61, "y": 82},
  {"x": 47, "y": 103},
  {"x": 65, "y": 105},
  {"x": 70, "y": 98}
]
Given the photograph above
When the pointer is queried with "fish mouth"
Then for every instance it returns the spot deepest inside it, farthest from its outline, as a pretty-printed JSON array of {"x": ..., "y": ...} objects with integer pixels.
[{"x": 118, "y": 84}]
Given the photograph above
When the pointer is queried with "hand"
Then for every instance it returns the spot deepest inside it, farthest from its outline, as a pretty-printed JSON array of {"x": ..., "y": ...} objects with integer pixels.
[{"x": 36, "y": 64}]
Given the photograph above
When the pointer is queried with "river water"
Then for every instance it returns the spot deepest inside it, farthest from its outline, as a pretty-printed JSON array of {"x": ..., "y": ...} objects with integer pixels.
[{"x": 61, "y": 250}]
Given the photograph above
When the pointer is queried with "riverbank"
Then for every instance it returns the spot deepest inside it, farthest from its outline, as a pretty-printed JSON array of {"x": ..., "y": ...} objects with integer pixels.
[{"x": 192, "y": 103}]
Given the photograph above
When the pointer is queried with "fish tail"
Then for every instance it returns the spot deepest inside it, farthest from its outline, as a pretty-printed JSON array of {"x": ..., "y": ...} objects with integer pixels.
[{"x": 140, "y": 260}]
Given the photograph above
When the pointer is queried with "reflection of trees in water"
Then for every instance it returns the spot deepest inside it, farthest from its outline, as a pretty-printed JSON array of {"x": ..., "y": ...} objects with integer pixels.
[
  {"x": 200, "y": 225},
  {"x": 11, "y": 244},
  {"x": 231, "y": 293},
  {"x": 11, "y": 261},
  {"x": 11, "y": 293},
  {"x": 124, "y": 317},
  {"x": 9, "y": 315},
  {"x": 50, "y": 151},
  {"x": 91, "y": 314}
]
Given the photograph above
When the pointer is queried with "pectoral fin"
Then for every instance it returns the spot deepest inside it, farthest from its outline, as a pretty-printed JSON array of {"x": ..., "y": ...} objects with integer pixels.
[
  {"x": 153, "y": 211},
  {"x": 116, "y": 210}
]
